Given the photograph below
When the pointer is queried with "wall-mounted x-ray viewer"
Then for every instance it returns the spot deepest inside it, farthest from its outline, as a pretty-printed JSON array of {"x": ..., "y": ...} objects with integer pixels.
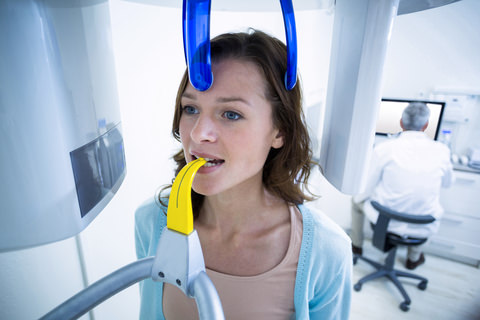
[{"x": 62, "y": 155}]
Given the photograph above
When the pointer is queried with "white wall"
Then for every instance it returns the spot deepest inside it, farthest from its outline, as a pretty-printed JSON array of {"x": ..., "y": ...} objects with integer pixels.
[
  {"x": 149, "y": 59},
  {"x": 437, "y": 51},
  {"x": 34, "y": 281},
  {"x": 437, "y": 48}
]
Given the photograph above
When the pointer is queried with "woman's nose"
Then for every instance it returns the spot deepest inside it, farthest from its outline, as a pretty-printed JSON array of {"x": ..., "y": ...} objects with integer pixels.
[{"x": 204, "y": 130}]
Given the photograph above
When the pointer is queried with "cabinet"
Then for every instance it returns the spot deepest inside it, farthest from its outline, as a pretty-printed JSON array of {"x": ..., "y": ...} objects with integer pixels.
[{"x": 458, "y": 236}]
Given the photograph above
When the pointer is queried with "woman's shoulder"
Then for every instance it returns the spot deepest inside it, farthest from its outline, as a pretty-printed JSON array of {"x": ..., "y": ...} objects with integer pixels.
[
  {"x": 324, "y": 269},
  {"x": 322, "y": 224},
  {"x": 327, "y": 237},
  {"x": 150, "y": 207},
  {"x": 149, "y": 213}
]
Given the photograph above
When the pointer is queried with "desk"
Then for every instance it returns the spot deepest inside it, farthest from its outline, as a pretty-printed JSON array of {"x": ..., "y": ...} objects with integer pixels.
[
  {"x": 458, "y": 236},
  {"x": 459, "y": 167}
]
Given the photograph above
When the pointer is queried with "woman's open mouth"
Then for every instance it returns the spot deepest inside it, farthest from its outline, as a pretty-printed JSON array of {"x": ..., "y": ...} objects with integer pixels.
[{"x": 210, "y": 162}]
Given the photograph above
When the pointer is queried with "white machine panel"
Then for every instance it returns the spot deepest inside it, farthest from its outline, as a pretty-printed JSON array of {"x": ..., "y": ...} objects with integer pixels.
[{"x": 62, "y": 156}]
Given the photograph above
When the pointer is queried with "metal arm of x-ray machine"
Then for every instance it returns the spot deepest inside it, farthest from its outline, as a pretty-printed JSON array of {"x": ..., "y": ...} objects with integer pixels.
[{"x": 179, "y": 261}]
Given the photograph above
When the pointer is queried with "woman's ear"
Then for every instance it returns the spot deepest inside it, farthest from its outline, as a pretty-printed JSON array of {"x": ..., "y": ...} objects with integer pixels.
[{"x": 278, "y": 140}]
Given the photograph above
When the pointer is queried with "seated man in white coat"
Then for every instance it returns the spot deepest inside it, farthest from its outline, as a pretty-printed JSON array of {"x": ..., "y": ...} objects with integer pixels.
[{"x": 406, "y": 175}]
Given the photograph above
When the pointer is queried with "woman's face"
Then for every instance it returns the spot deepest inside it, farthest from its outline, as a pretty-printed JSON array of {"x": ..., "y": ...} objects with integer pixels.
[{"x": 230, "y": 125}]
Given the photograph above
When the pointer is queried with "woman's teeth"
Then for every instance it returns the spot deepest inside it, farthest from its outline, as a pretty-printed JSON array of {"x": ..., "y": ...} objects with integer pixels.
[{"x": 211, "y": 162}]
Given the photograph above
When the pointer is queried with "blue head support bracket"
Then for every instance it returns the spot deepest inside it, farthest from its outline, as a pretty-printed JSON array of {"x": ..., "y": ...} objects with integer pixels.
[{"x": 196, "y": 43}]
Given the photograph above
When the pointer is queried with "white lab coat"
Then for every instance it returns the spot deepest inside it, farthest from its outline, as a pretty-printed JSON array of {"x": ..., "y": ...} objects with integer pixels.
[{"x": 406, "y": 175}]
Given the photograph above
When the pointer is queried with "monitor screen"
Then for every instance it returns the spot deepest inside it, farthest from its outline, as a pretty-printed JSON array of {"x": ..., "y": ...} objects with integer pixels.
[{"x": 391, "y": 111}]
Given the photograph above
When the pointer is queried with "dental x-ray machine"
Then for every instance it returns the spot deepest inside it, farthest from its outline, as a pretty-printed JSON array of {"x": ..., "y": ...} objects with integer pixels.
[{"x": 62, "y": 156}]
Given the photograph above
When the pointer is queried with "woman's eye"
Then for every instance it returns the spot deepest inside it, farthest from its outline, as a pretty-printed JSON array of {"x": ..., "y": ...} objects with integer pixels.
[
  {"x": 230, "y": 115},
  {"x": 190, "y": 110}
]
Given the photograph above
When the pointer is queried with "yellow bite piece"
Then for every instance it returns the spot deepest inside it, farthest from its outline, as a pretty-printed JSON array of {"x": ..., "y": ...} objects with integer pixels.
[{"x": 180, "y": 214}]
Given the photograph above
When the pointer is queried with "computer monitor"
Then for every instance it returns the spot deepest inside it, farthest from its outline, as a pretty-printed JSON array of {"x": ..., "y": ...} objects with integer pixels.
[{"x": 391, "y": 110}]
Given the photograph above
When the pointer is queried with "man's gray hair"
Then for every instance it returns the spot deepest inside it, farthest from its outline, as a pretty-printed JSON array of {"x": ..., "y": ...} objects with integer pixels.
[{"x": 415, "y": 116}]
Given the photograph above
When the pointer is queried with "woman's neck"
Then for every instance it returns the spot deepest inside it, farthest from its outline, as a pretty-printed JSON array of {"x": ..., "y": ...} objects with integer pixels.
[
  {"x": 245, "y": 231},
  {"x": 239, "y": 210}
]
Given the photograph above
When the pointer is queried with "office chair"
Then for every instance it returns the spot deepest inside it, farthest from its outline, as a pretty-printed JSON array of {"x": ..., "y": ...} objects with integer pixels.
[{"x": 388, "y": 242}]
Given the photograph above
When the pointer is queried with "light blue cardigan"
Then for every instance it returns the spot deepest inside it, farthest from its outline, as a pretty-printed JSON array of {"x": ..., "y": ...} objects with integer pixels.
[{"x": 323, "y": 282}]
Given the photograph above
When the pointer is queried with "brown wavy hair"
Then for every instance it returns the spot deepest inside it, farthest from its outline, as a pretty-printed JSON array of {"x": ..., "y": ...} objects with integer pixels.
[{"x": 286, "y": 169}]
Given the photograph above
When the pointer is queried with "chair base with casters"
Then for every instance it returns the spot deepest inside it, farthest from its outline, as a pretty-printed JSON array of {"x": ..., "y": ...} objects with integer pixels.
[
  {"x": 388, "y": 242},
  {"x": 387, "y": 270}
]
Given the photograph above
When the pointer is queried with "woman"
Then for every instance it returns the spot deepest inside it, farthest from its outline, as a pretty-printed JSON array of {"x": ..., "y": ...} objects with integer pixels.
[{"x": 268, "y": 256}]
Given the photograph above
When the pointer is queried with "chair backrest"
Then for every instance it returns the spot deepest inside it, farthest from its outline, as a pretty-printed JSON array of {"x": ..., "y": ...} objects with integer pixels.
[{"x": 380, "y": 231}]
